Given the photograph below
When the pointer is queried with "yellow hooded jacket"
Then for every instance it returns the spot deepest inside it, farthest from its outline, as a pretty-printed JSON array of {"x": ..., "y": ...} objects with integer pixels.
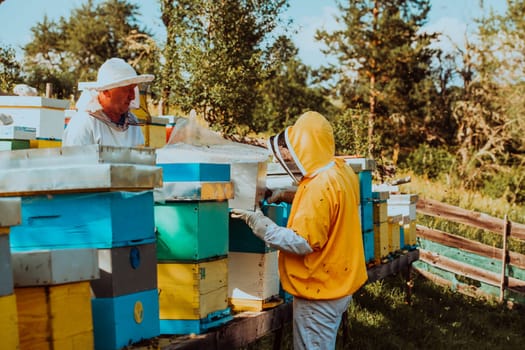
[{"x": 325, "y": 212}]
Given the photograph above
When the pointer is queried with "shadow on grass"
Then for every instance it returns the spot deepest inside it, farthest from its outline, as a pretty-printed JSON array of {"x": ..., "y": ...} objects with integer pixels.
[{"x": 438, "y": 318}]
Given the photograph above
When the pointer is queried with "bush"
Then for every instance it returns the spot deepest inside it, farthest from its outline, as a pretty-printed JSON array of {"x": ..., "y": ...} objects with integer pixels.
[{"x": 429, "y": 161}]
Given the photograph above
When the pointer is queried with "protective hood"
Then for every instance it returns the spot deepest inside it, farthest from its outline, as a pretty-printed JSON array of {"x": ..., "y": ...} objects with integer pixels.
[{"x": 311, "y": 145}]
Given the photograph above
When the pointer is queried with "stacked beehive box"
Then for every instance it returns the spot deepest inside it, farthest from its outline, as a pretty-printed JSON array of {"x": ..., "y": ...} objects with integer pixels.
[
  {"x": 89, "y": 197},
  {"x": 191, "y": 218},
  {"x": 16, "y": 137},
  {"x": 364, "y": 168},
  {"x": 250, "y": 256},
  {"x": 404, "y": 204},
  {"x": 54, "y": 298},
  {"x": 9, "y": 216},
  {"x": 45, "y": 115},
  {"x": 381, "y": 242}
]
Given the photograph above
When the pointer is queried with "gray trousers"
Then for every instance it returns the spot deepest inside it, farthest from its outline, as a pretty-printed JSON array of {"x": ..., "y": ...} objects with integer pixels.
[{"x": 315, "y": 322}]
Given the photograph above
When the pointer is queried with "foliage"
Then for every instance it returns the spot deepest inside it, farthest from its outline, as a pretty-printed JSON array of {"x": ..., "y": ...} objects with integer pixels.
[
  {"x": 437, "y": 318},
  {"x": 350, "y": 131},
  {"x": 429, "y": 161},
  {"x": 214, "y": 56},
  {"x": 284, "y": 89},
  {"x": 10, "y": 69},
  {"x": 383, "y": 57},
  {"x": 490, "y": 115},
  {"x": 72, "y": 50}
]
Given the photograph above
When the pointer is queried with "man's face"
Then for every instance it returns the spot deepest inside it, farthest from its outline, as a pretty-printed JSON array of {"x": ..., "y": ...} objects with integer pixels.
[{"x": 118, "y": 99}]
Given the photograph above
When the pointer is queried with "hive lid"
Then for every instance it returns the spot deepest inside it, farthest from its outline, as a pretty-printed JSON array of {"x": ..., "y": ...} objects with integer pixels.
[
  {"x": 79, "y": 178},
  {"x": 76, "y": 155}
]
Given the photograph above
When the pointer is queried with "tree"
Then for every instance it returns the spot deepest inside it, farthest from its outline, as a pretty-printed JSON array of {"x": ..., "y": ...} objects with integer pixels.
[
  {"x": 213, "y": 56},
  {"x": 383, "y": 65},
  {"x": 72, "y": 49},
  {"x": 285, "y": 89},
  {"x": 490, "y": 116},
  {"x": 10, "y": 70}
]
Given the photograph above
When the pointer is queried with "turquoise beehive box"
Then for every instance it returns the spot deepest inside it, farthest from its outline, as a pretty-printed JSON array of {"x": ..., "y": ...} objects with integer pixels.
[
  {"x": 191, "y": 230},
  {"x": 84, "y": 220}
]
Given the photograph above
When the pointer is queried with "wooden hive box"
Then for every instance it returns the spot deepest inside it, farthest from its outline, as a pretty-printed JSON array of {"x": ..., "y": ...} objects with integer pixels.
[
  {"x": 45, "y": 143},
  {"x": 9, "y": 145},
  {"x": 46, "y": 115},
  {"x": 247, "y": 167},
  {"x": 366, "y": 208},
  {"x": 52, "y": 267},
  {"x": 55, "y": 317},
  {"x": 9, "y": 322},
  {"x": 191, "y": 230},
  {"x": 369, "y": 245},
  {"x": 380, "y": 206},
  {"x": 253, "y": 281},
  {"x": 154, "y": 131},
  {"x": 381, "y": 241},
  {"x": 403, "y": 204},
  {"x": 84, "y": 220},
  {"x": 241, "y": 236},
  {"x": 193, "y": 297},
  {"x": 394, "y": 237},
  {"x": 125, "y": 319},
  {"x": 17, "y": 132},
  {"x": 126, "y": 270}
]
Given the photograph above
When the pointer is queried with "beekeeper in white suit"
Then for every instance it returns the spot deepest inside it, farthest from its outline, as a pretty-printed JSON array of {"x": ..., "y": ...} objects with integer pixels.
[{"x": 103, "y": 115}]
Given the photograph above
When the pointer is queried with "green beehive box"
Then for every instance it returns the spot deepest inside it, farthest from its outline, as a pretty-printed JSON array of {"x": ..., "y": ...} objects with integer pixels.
[
  {"x": 9, "y": 145},
  {"x": 192, "y": 230}
]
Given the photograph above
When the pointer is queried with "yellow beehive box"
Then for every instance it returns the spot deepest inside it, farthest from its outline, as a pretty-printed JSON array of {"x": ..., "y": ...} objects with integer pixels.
[
  {"x": 381, "y": 245},
  {"x": 154, "y": 131},
  {"x": 55, "y": 317},
  {"x": 380, "y": 211},
  {"x": 191, "y": 291},
  {"x": 394, "y": 235},
  {"x": 44, "y": 143},
  {"x": 9, "y": 322},
  {"x": 410, "y": 233}
]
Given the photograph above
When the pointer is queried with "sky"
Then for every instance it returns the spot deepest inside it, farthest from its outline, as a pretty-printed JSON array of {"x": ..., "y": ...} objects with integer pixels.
[{"x": 453, "y": 18}]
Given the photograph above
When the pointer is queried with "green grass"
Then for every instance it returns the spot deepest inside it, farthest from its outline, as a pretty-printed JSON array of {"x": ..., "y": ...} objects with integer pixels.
[{"x": 438, "y": 318}]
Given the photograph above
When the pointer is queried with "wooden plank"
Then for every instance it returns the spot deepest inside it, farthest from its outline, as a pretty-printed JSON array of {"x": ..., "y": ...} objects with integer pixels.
[
  {"x": 468, "y": 245},
  {"x": 467, "y": 270},
  {"x": 467, "y": 217},
  {"x": 504, "y": 259},
  {"x": 245, "y": 328},
  {"x": 398, "y": 265}
]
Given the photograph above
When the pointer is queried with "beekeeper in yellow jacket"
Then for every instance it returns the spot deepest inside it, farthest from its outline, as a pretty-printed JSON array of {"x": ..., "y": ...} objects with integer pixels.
[{"x": 321, "y": 255}]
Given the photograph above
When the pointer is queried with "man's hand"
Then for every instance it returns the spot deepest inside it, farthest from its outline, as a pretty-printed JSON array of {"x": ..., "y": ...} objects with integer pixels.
[
  {"x": 282, "y": 195},
  {"x": 256, "y": 220}
]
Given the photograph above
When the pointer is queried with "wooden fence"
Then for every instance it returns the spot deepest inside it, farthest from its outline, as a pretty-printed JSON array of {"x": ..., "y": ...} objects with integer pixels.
[{"x": 469, "y": 266}]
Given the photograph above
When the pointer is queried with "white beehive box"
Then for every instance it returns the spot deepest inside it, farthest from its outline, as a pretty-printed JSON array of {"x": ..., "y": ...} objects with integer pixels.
[
  {"x": 402, "y": 204},
  {"x": 46, "y": 115},
  {"x": 247, "y": 165},
  {"x": 57, "y": 266},
  {"x": 17, "y": 132},
  {"x": 253, "y": 276}
]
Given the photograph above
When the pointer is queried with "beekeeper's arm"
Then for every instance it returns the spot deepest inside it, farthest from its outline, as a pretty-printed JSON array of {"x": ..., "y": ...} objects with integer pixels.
[{"x": 274, "y": 235}]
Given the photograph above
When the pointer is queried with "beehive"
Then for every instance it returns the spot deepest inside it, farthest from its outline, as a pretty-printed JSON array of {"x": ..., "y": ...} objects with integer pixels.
[{"x": 193, "y": 296}]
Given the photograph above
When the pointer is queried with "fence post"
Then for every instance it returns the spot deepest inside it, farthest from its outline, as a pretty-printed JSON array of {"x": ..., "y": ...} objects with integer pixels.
[{"x": 504, "y": 259}]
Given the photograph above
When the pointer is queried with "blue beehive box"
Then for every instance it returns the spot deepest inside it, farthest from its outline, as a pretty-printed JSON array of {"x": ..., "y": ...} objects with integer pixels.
[
  {"x": 368, "y": 243},
  {"x": 213, "y": 320},
  {"x": 365, "y": 184},
  {"x": 84, "y": 220},
  {"x": 367, "y": 215},
  {"x": 242, "y": 238},
  {"x": 126, "y": 319},
  {"x": 206, "y": 172},
  {"x": 191, "y": 230}
]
